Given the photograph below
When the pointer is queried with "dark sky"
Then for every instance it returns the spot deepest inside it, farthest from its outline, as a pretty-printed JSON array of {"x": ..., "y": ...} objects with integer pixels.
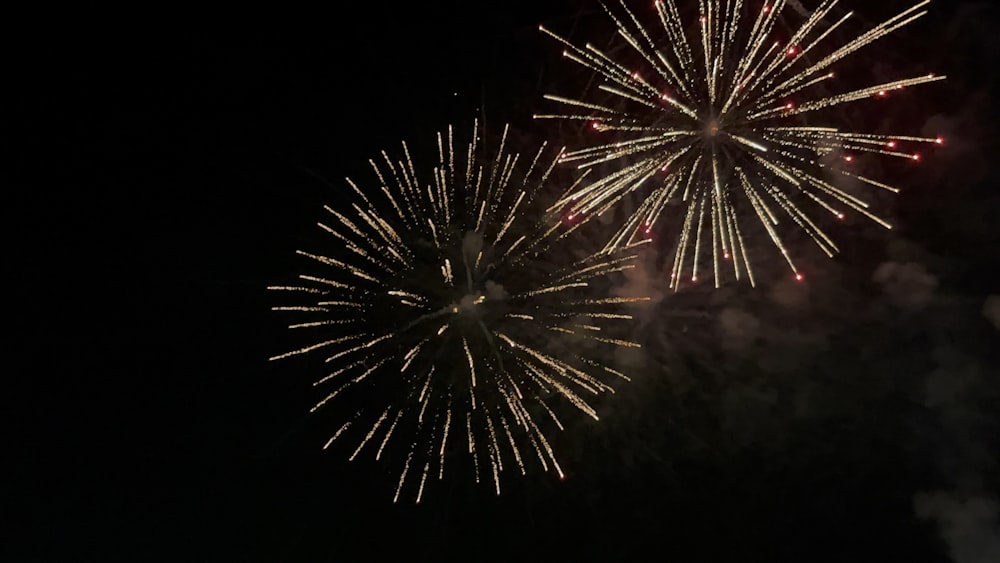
[{"x": 164, "y": 172}]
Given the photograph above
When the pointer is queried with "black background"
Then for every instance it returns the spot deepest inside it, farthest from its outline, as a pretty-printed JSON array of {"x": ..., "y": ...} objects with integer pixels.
[{"x": 164, "y": 171}]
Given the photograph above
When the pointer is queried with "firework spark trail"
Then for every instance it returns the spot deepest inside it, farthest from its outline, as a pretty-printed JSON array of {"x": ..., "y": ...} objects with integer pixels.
[
  {"x": 716, "y": 118},
  {"x": 450, "y": 297}
]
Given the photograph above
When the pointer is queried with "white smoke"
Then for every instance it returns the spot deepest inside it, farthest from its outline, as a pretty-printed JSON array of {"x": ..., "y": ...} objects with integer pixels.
[
  {"x": 991, "y": 310},
  {"x": 907, "y": 285},
  {"x": 969, "y": 524}
]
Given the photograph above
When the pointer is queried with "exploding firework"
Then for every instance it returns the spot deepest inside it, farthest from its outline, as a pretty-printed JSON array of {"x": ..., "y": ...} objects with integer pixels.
[
  {"x": 727, "y": 119},
  {"x": 455, "y": 323}
]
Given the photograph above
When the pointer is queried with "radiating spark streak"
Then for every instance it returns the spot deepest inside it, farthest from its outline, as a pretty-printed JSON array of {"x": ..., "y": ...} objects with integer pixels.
[
  {"x": 555, "y": 289},
  {"x": 444, "y": 440},
  {"x": 548, "y": 448},
  {"x": 357, "y": 348},
  {"x": 337, "y": 434},
  {"x": 551, "y": 414},
  {"x": 705, "y": 97},
  {"x": 301, "y": 308},
  {"x": 388, "y": 434},
  {"x": 423, "y": 479},
  {"x": 534, "y": 162},
  {"x": 320, "y": 323},
  {"x": 446, "y": 272},
  {"x": 573, "y": 102},
  {"x": 616, "y": 373},
  {"x": 396, "y": 320},
  {"x": 622, "y": 343},
  {"x": 407, "y": 294},
  {"x": 294, "y": 289},
  {"x": 340, "y": 265},
  {"x": 339, "y": 371},
  {"x": 862, "y": 93},
  {"x": 513, "y": 444},
  {"x": 747, "y": 142},
  {"x": 510, "y": 219},
  {"x": 338, "y": 304},
  {"x": 864, "y": 40},
  {"x": 550, "y": 362},
  {"x": 402, "y": 476},
  {"x": 312, "y": 347},
  {"x": 612, "y": 301},
  {"x": 386, "y": 191},
  {"x": 325, "y": 281},
  {"x": 494, "y": 450},
  {"x": 370, "y": 434},
  {"x": 522, "y": 317},
  {"x": 427, "y": 384},
  {"x": 472, "y": 363}
]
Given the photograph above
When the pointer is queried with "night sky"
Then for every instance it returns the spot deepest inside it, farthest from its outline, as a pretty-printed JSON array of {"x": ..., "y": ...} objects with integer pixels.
[{"x": 165, "y": 171}]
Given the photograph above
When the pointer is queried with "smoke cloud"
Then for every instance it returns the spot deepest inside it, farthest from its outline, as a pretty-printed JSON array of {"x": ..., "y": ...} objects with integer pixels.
[
  {"x": 968, "y": 524},
  {"x": 991, "y": 310},
  {"x": 908, "y": 285}
]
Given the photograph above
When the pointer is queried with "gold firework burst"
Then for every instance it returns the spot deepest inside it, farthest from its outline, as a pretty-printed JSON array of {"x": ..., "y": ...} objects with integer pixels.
[
  {"x": 726, "y": 119},
  {"x": 454, "y": 322}
]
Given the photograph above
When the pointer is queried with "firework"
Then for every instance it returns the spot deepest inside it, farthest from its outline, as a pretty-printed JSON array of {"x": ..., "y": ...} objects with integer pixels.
[
  {"x": 726, "y": 119},
  {"x": 453, "y": 322}
]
